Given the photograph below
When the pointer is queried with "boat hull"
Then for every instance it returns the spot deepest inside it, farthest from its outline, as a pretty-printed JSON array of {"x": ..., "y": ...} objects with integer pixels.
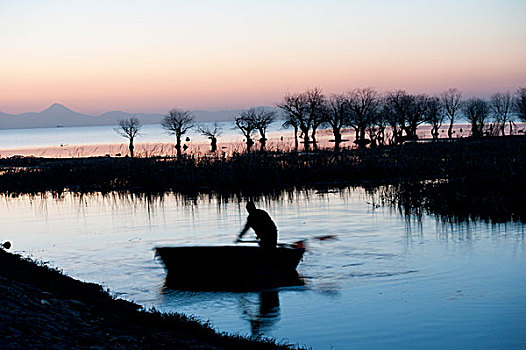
[{"x": 230, "y": 267}]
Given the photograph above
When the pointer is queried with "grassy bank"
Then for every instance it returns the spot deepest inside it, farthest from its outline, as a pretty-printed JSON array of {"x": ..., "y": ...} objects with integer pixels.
[
  {"x": 481, "y": 177},
  {"x": 44, "y": 309}
]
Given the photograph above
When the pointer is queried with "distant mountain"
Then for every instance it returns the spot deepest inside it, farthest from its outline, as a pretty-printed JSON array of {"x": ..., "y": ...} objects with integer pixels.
[
  {"x": 57, "y": 108},
  {"x": 59, "y": 115}
]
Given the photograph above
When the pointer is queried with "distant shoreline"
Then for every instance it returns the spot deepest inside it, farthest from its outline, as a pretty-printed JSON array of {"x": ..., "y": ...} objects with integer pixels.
[
  {"x": 59, "y": 115},
  {"x": 278, "y": 140}
]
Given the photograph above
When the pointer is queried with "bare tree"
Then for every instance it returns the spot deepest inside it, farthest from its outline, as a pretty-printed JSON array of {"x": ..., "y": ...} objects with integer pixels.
[
  {"x": 476, "y": 111},
  {"x": 363, "y": 104},
  {"x": 501, "y": 105},
  {"x": 377, "y": 126},
  {"x": 452, "y": 103},
  {"x": 338, "y": 117},
  {"x": 177, "y": 122},
  {"x": 212, "y": 132},
  {"x": 245, "y": 123},
  {"x": 262, "y": 119},
  {"x": 129, "y": 128},
  {"x": 296, "y": 110},
  {"x": 317, "y": 109},
  {"x": 520, "y": 104},
  {"x": 290, "y": 121},
  {"x": 399, "y": 106},
  {"x": 387, "y": 116},
  {"x": 417, "y": 115},
  {"x": 435, "y": 116}
]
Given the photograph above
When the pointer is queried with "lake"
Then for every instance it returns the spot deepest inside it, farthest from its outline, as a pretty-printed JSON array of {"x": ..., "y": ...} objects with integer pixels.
[
  {"x": 153, "y": 140},
  {"x": 100, "y": 135},
  {"x": 386, "y": 280},
  {"x": 93, "y": 135}
]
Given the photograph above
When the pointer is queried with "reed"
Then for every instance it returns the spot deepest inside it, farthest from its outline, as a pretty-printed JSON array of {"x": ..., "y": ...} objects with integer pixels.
[
  {"x": 485, "y": 176},
  {"x": 484, "y": 179}
]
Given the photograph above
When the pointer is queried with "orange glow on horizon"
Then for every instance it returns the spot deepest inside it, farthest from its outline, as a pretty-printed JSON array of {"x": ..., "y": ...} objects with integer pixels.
[{"x": 216, "y": 59}]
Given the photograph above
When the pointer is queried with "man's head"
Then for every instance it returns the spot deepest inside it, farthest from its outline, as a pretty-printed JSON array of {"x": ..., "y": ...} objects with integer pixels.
[{"x": 250, "y": 207}]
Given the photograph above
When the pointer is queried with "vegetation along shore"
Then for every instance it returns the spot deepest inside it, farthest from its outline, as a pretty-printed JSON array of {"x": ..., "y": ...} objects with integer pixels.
[{"x": 471, "y": 177}]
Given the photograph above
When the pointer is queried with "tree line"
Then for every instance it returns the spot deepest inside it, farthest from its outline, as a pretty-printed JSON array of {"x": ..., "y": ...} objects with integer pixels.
[
  {"x": 370, "y": 114},
  {"x": 177, "y": 122},
  {"x": 366, "y": 111}
]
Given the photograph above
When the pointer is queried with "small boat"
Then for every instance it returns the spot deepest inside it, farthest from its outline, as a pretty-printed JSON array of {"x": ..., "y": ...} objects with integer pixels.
[{"x": 230, "y": 267}]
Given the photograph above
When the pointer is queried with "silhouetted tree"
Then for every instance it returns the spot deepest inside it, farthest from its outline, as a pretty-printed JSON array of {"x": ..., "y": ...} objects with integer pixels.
[
  {"x": 289, "y": 121},
  {"x": 245, "y": 123},
  {"x": 129, "y": 128},
  {"x": 296, "y": 110},
  {"x": 317, "y": 109},
  {"x": 387, "y": 115},
  {"x": 262, "y": 118},
  {"x": 177, "y": 122},
  {"x": 476, "y": 111},
  {"x": 377, "y": 126},
  {"x": 417, "y": 115},
  {"x": 435, "y": 115},
  {"x": 338, "y": 117},
  {"x": 399, "y": 106},
  {"x": 501, "y": 105},
  {"x": 452, "y": 102},
  {"x": 520, "y": 104},
  {"x": 363, "y": 104},
  {"x": 212, "y": 132}
]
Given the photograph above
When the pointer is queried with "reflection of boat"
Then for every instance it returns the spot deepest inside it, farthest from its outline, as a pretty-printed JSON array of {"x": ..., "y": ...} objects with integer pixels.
[{"x": 230, "y": 267}]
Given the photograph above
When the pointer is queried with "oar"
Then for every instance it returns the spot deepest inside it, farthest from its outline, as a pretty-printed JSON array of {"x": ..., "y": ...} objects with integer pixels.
[
  {"x": 246, "y": 241},
  {"x": 298, "y": 244}
]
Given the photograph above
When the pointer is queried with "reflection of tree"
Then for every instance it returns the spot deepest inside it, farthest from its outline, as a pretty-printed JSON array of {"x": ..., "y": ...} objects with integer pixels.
[{"x": 262, "y": 315}]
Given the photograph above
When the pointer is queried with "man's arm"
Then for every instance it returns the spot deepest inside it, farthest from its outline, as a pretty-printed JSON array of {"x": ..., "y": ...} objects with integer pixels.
[{"x": 243, "y": 231}]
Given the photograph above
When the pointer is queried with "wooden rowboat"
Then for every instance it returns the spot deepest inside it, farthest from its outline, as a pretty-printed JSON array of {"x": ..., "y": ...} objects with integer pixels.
[{"x": 230, "y": 267}]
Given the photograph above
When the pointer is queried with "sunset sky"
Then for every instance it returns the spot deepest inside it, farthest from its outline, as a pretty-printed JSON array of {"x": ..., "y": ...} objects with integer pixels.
[{"x": 149, "y": 56}]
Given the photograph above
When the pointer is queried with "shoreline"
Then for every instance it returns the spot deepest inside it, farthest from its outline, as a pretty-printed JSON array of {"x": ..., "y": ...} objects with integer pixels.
[
  {"x": 43, "y": 308},
  {"x": 277, "y": 141},
  {"x": 157, "y": 149},
  {"x": 477, "y": 178}
]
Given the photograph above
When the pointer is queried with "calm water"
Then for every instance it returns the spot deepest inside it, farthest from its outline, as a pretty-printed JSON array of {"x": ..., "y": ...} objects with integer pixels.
[
  {"x": 94, "y": 135},
  {"x": 386, "y": 281}
]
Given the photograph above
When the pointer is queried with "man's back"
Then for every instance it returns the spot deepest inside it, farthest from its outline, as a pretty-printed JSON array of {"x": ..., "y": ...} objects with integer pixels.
[
  {"x": 261, "y": 223},
  {"x": 263, "y": 226}
]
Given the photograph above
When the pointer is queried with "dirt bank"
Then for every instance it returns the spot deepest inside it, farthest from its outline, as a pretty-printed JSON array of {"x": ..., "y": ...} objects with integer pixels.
[{"x": 44, "y": 309}]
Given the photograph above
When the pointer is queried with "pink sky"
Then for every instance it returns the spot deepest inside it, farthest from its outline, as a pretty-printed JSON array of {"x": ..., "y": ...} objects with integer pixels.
[{"x": 94, "y": 57}]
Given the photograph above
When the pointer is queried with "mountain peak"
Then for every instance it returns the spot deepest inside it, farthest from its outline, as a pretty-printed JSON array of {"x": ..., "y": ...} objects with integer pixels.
[{"x": 57, "y": 107}]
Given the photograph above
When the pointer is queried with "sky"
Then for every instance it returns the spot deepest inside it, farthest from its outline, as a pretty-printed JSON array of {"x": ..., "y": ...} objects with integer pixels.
[{"x": 150, "y": 56}]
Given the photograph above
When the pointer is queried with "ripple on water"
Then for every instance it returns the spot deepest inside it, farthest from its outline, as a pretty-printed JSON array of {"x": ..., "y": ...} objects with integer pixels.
[{"x": 384, "y": 282}]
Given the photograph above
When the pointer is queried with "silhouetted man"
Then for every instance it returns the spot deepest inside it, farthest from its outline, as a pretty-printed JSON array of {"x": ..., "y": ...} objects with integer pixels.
[{"x": 265, "y": 229}]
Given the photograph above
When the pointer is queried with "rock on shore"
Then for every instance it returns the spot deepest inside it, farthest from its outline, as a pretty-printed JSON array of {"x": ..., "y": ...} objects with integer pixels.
[{"x": 43, "y": 309}]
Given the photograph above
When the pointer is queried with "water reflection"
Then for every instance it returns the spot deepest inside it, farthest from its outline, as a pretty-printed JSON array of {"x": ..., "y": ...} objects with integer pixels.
[
  {"x": 375, "y": 197},
  {"x": 234, "y": 281},
  {"x": 263, "y": 314},
  {"x": 385, "y": 281},
  {"x": 260, "y": 311}
]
